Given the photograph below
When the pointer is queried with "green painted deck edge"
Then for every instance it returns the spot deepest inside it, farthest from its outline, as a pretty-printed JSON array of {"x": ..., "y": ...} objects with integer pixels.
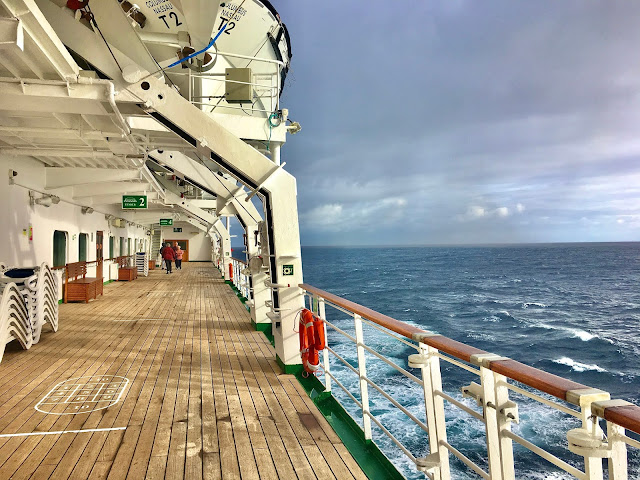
[
  {"x": 108, "y": 282},
  {"x": 373, "y": 462},
  {"x": 266, "y": 329},
  {"x": 238, "y": 294}
]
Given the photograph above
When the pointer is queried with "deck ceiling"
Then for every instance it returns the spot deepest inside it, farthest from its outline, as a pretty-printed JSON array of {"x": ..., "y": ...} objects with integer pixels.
[{"x": 79, "y": 128}]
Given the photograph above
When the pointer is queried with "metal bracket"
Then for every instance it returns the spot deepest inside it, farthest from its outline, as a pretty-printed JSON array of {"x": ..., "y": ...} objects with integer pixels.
[
  {"x": 485, "y": 359},
  {"x": 418, "y": 361},
  {"x": 585, "y": 396},
  {"x": 473, "y": 390},
  {"x": 428, "y": 464},
  {"x": 509, "y": 410},
  {"x": 419, "y": 337},
  {"x": 584, "y": 443},
  {"x": 598, "y": 408}
]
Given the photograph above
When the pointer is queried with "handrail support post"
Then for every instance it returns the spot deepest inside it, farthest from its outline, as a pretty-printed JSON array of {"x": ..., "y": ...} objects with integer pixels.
[
  {"x": 362, "y": 373},
  {"x": 434, "y": 407},
  {"x": 507, "y": 412},
  {"x": 325, "y": 352},
  {"x": 618, "y": 458}
]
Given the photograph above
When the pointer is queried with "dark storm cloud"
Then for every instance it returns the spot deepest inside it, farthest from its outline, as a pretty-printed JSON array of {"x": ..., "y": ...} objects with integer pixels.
[{"x": 418, "y": 116}]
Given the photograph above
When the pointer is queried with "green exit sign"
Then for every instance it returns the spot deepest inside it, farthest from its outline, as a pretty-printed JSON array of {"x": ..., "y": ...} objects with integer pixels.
[
  {"x": 134, "y": 201},
  {"x": 166, "y": 222}
]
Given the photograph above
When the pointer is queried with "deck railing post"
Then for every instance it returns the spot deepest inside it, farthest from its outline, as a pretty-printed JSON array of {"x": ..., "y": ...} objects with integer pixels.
[
  {"x": 437, "y": 462},
  {"x": 588, "y": 441},
  {"x": 489, "y": 406},
  {"x": 592, "y": 463},
  {"x": 618, "y": 458},
  {"x": 325, "y": 352},
  {"x": 507, "y": 413},
  {"x": 362, "y": 372}
]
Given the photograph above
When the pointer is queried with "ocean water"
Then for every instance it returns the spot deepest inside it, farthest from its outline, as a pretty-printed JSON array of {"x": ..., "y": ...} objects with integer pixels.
[{"x": 569, "y": 309}]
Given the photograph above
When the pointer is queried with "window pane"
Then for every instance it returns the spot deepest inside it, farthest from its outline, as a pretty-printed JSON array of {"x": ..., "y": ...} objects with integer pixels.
[
  {"x": 82, "y": 247},
  {"x": 59, "y": 248}
]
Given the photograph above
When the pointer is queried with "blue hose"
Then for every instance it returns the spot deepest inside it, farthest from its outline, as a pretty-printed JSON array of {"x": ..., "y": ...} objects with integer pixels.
[{"x": 200, "y": 51}]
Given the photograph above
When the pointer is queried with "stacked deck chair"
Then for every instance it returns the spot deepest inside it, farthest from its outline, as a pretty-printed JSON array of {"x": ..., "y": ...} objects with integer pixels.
[
  {"x": 42, "y": 300},
  {"x": 29, "y": 301},
  {"x": 15, "y": 323}
]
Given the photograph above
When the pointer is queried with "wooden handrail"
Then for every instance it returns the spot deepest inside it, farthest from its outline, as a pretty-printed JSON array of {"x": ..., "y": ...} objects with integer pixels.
[
  {"x": 627, "y": 416},
  {"x": 385, "y": 321}
]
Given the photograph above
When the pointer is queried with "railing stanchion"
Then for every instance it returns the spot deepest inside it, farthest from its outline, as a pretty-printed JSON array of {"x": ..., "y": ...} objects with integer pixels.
[
  {"x": 436, "y": 384},
  {"x": 592, "y": 464},
  {"x": 618, "y": 459},
  {"x": 325, "y": 352},
  {"x": 507, "y": 413},
  {"x": 437, "y": 462},
  {"x": 489, "y": 406},
  {"x": 362, "y": 372}
]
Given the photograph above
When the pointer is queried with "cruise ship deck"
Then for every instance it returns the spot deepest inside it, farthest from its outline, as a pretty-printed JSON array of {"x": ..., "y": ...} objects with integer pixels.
[{"x": 203, "y": 395}]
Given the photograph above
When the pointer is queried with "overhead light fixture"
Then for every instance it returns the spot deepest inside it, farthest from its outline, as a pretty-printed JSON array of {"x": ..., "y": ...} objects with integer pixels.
[
  {"x": 46, "y": 200},
  {"x": 87, "y": 210}
]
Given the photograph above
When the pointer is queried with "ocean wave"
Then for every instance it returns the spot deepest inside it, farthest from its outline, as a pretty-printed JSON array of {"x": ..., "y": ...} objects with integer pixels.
[
  {"x": 481, "y": 336},
  {"x": 534, "y": 304},
  {"x": 577, "y": 366},
  {"x": 581, "y": 334},
  {"x": 575, "y": 332}
]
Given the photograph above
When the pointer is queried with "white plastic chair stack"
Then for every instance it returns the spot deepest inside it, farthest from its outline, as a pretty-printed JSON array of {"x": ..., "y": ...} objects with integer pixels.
[
  {"x": 15, "y": 323},
  {"x": 42, "y": 300},
  {"x": 142, "y": 263},
  {"x": 27, "y": 305}
]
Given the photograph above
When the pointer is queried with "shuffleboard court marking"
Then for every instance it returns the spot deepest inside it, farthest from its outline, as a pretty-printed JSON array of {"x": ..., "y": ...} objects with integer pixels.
[
  {"x": 83, "y": 395},
  {"x": 138, "y": 319},
  {"x": 60, "y": 432}
]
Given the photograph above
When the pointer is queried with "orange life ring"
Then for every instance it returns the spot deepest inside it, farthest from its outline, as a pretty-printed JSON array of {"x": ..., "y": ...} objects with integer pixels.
[
  {"x": 231, "y": 271},
  {"x": 312, "y": 340}
]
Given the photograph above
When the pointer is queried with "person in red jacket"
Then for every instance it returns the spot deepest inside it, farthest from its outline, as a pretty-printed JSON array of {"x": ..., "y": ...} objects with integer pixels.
[{"x": 168, "y": 255}]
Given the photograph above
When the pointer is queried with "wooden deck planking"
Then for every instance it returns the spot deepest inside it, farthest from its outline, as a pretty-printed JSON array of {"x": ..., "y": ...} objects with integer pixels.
[{"x": 206, "y": 398}]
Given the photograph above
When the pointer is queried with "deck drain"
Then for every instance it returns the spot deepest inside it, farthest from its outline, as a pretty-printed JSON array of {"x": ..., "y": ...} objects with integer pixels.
[{"x": 83, "y": 395}]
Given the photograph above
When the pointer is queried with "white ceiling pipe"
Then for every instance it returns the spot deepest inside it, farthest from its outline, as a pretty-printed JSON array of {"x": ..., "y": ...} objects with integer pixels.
[
  {"x": 52, "y": 152},
  {"x": 60, "y": 131}
]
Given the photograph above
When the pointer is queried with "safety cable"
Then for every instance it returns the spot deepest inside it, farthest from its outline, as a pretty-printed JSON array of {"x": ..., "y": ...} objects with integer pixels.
[{"x": 93, "y": 19}]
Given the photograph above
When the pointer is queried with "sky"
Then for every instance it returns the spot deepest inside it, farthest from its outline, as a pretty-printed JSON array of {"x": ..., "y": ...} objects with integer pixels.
[{"x": 461, "y": 122}]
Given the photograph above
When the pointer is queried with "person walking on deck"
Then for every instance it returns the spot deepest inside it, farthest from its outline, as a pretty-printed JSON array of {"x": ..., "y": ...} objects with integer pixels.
[
  {"x": 168, "y": 255},
  {"x": 179, "y": 254}
]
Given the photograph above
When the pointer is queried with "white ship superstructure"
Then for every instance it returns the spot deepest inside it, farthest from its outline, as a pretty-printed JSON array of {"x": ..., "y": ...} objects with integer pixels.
[{"x": 124, "y": 126}]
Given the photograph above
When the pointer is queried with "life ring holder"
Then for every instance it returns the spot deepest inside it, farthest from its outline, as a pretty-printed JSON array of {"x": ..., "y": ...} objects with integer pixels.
[{"x": 311, "y": 334}]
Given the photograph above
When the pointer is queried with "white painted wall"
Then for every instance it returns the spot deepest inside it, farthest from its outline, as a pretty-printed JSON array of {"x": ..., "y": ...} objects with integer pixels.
[
  {"x": 16, "y": 216},
  {"x": 199, "y": 244}
]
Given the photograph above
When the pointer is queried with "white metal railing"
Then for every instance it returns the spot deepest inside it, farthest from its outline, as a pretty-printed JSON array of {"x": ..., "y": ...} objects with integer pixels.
[
  {"x": 240, "y": 278},
  {"x": 497, "y": 410},
  {"x": 265, "y": 86}
]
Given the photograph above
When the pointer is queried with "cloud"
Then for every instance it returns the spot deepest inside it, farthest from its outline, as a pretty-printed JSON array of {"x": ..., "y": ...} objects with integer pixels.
[
  {"x": 475, "y": 212},
  {"x": 502, "y": 211},
  {"x": 491, "y": 121},
  {"x": 354, "y": 217}
]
